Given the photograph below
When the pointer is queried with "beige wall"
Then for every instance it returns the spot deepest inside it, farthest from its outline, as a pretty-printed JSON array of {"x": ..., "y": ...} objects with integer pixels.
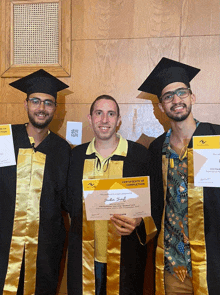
[{"x": 115, "y": 45}]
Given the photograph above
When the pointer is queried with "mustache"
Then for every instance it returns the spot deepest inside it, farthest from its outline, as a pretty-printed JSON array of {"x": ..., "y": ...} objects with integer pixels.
[{"x": 178, "y": 105}]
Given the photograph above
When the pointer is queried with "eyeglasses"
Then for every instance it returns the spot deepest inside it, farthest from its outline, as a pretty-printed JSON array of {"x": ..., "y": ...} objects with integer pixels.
[
  {"x": 36, "y": 102},
  {"x": 180, "y": 92}
]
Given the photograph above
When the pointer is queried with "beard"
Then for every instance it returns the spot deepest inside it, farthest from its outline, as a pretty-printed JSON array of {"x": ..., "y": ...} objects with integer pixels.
[
  {"x": 179, "y": 117},
  {"x": 40, "y": 125}
]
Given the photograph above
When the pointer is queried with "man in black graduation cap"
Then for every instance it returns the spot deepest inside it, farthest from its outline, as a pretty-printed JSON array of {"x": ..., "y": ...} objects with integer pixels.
[
  {"x": 187, "y": 217},
  {"x": 32, "y": 195}
]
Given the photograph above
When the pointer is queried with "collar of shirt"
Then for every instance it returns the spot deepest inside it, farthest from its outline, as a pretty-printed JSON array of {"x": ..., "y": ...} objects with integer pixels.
[
  {"x": 121, "y": 150},
  {"x": 166, "y": 149}
]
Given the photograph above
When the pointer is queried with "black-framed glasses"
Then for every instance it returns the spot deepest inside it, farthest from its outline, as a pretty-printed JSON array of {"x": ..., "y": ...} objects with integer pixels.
[
  {"x": 36, "y": 102},
  {"x": 180, "y": 92}
]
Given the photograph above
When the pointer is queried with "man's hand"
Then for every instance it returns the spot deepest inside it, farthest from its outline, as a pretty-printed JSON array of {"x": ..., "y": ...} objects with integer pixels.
[{"x": 125, "y": 225}]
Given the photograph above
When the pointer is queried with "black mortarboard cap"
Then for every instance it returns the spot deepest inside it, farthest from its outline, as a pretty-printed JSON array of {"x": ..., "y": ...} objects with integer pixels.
[
  {"x": 41, "y": 82},
  {"x": 167, "y": 71}
]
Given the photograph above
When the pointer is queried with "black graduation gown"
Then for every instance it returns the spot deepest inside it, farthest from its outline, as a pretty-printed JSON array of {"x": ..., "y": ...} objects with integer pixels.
[
  {"x": 133, "y": 254},
  {"x": 211, "y": 207},
  {"x": 51, "y": 225}
]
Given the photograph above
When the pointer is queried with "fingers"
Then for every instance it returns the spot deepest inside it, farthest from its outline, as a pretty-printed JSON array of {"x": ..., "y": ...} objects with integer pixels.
[
  {"x": 125, "y": 225},
  {"x": 122, "y": 231}
]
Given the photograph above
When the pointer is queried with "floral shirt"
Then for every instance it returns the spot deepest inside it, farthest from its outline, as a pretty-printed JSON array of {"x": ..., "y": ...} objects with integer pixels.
[{"x": 176, "y": 242}]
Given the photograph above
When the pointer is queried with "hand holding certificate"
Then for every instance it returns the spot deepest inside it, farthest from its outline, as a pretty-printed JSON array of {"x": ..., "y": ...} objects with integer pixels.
[
  {"x": 125, "y": 225},
  {"x": 125, "y": 196}
]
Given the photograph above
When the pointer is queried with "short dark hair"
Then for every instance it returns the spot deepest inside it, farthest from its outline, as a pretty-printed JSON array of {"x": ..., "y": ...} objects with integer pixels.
[{"x": 104, "y": 96}]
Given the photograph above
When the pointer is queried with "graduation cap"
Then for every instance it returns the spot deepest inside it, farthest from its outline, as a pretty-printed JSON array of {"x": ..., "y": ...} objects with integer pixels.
[
  {"x": 167, "y": 71},
  {"x": 41, "y": 82}
]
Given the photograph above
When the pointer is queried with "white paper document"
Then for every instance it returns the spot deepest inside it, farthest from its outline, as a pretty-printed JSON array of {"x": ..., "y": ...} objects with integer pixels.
[
  {"x": 7, "y": 153},
  {"x": 126, "y": 196},
  {"x": 206, "y": 158},
  {"x": 74, "y": 132}
]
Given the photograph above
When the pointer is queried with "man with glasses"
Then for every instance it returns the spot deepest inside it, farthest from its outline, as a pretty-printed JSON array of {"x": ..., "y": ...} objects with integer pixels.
[
  {"x": 32, "y": 195},
  {"x": 187, "y": 217}
]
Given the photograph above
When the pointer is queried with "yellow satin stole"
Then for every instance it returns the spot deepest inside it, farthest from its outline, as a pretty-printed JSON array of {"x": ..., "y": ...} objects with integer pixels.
[
  {"x": 30, "y": 172},
  {"x": 114, "y": 241}
]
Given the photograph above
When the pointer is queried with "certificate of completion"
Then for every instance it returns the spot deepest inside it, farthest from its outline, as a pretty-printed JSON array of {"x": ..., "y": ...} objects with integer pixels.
[
  {"x": 206, "y": 158},
  {"x": 7, "y": 154},
  {"x": 126, "y": 196}
]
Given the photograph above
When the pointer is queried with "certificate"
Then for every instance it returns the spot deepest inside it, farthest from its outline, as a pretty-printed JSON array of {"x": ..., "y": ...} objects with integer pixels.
[
  {"x": 206, "y": 158},
  {"x": 125, "y": 196},
  {"x": 7, "y": 154}
]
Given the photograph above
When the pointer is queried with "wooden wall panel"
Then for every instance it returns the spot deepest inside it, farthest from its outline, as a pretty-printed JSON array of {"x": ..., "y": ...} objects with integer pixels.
[
  {"x": 107, "y": 19},
  {"x": 207, "y": 112},
  {"x": 203, "y": 52},
  {"x": 200, "y": 17},
  {"x": 76, "y": 113},
  {"x": 2, "y": 35},
  {"x": 10, "y": 94},
  {"x": 61, "y": 68},
  {"x": 3, "y": 113},
  {"x": 12, "y": 114},
  {"x": 115, "y": 67}
]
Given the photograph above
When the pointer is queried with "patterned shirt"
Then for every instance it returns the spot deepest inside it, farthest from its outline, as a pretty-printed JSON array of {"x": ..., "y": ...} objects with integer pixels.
[{"x": 176, "y": 242}]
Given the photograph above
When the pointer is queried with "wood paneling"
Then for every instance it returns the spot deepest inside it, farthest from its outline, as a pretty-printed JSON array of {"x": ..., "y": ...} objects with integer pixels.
[
  {"x": 8, "y": 69},
  {"x": 203, "y": 52},
  {"x": 115, "y": 45},
  {"x": 2, "y": 35},
  {"x": 10, "y": 94},
  {"x": 12, "y": 114},
  {"x": 72, "y": 112},
  {"x": 207, "y": 113},
  {"x": 108, "y": 19},
  {"x": 115, "y": 67},
  {"x": 200, "y": 17},
  {"x": 3, "y": 113}
]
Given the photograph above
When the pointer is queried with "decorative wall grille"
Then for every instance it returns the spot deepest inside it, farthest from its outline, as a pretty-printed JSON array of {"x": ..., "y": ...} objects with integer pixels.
[{"x": 36, "y": 33}]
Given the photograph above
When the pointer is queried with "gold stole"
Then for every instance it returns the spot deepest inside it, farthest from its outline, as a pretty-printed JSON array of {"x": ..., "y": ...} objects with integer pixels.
[
  {"x": 150, "y": 229},
  {"x": 114, "y": 241},
  {"x": 196, "y": 233},
  {"x": 159, "y": 279},
  {"x": 30, "y": 172}
]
